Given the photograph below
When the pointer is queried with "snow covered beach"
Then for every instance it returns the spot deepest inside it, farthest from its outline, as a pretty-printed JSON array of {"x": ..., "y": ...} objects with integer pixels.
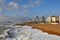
[{"x": 27, "y": 33}]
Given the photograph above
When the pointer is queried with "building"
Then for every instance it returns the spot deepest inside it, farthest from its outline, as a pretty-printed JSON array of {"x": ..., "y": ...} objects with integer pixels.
[
  {"x": 55, "y": 19},
  {"x": 59, "y": 19},
  {"x": 48, "y": 19}
]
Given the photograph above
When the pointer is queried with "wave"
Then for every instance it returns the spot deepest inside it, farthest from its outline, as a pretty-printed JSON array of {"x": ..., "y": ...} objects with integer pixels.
[{"x": 27, "y": 33}]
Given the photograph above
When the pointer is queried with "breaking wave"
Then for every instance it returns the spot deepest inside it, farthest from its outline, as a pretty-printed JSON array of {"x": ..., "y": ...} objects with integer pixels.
[{"x": 27, "y": 33}]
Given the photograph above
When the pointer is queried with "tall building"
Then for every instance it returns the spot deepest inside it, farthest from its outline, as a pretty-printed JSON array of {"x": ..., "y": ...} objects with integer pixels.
[
  {"x": 37, "y": 19},
  {"x": 44, "y": 19},
  {"x": 48, "y": 19}
]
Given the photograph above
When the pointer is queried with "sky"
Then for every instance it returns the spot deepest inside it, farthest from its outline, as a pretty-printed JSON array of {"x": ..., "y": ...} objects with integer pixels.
[{"x": 29, "y": 8}]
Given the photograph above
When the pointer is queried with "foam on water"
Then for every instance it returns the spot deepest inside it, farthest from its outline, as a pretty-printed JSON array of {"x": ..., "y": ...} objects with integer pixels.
[{"x": 27, "y": 33}]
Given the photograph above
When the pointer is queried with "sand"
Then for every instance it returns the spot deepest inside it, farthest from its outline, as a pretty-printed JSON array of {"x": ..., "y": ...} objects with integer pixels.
[{"x": 50, "y": 28}]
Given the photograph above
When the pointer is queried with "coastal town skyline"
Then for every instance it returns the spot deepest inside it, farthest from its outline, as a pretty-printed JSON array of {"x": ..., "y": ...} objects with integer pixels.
[
  {"x": 10, "y": 9},
  {"x": 29, "y": 19}
]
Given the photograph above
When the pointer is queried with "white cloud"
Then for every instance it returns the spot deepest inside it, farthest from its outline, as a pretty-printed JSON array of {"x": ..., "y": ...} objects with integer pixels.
[
  {"x": 12, "y": 6},
  {"x": 2, "y": 0},
  {"x": 1, "y": 5},
  {"x": 11, "y": 3},
  {"x": 0, "y": 10},
  {"x": 24, "y": 6},
  {"x": 33, "y": 3},
  {"x": 37, "y": 2}
]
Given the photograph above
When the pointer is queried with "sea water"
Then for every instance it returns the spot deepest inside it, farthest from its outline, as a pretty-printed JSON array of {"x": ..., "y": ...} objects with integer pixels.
[{"x": 27, "y": 33}]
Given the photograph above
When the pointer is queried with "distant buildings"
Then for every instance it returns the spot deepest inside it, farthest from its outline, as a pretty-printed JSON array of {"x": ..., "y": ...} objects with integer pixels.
[
  {"x": 50, "y": 19},
  {"x": 53, "y": 19}
]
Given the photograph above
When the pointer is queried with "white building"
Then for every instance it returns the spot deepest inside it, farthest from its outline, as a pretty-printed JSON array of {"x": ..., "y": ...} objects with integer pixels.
[
  {"x": 48, "y": 19},
  {"x": 53, "y": 19}
]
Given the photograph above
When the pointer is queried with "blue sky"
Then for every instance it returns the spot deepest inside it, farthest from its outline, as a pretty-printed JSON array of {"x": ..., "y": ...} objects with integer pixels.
[{"x": 31, "y": 8}]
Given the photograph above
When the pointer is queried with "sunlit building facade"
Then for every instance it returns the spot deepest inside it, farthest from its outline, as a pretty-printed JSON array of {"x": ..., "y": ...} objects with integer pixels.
[{"x": 55, "y": 19}]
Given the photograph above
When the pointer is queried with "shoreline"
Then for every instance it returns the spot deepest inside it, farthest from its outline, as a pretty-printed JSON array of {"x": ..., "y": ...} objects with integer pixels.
[{"x": 49, "y": 28}]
